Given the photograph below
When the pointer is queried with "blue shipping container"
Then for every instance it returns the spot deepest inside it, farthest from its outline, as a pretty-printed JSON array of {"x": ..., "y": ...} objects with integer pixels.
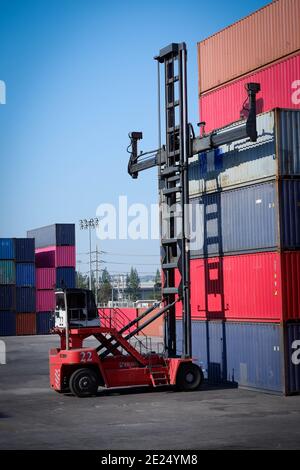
[
  {"x": 7, "y": 297},
  {"x": 25, "y": 299},
  {"x": 7, "y": 248},
  {"x": 252, "y": 355},
  {"x": 65, "y": 277},
  {"x": 44, "y": 322},
  {"x": 51, "y": 235},
  {"x": 7, "y": 324},
  {"x": 24, "y": 250},
  {"x": 25, "y": 274},
  {"x": 247, "y": 219}
]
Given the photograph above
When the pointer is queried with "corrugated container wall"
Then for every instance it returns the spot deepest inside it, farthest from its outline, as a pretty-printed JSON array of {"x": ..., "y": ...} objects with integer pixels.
[
  {"x": 255, "y": 356},
  {"x": 252, "y": 355},
  {"x": 55, "y": 257},
  {"x": 7, "y": 323},
  {"x": 276, "y": 153},
  {"x": 25, "y": 299},
  {"x": 261, "y": 287},
  {"x": 24, "y": 249},
  {"x": 251, "y": 43},
  {"x": 7, "y": 248},
  {"x": 45, "y": 300},
  {"x": 45, "y": 278},
  {"x": 7, "y": 297},
  {"x": 25, "y": 274},
  {"x": 65, "y": 277},
  {"x": 247, "y": 219},
  {"x": 44, "y": 323},
  {"x": 56, "y": 234},
  {"x": 7, "y": 272},
  {"x": 280, "y": 88},
  {"x": 25, "y": 324}
]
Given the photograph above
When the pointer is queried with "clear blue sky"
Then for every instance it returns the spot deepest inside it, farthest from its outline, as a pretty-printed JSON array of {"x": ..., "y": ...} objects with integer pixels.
[{"x": 79, "y": 76}]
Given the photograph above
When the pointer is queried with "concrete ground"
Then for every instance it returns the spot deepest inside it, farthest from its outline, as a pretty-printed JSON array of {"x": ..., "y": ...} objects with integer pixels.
[{"x": 32, "y": 416}]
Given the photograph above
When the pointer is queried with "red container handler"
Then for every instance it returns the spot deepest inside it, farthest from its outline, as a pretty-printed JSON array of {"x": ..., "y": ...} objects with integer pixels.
[
  {"x": 55, "y": 257},
  {"x": 260, "y": 287},
  {"x": 25, "y": 324},
  {"x": 280, "y": 88},
  {"x": 45, "y": 300}
]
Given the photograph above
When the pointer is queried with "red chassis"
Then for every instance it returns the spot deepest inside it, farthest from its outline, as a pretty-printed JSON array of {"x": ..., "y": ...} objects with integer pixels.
[{"x": 114, "y": 363}]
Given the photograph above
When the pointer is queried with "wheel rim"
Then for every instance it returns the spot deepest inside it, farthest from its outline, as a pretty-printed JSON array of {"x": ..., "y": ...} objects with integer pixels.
[
  {"x": 189, "y": 377},
  {"x": 84, "y": 384}
]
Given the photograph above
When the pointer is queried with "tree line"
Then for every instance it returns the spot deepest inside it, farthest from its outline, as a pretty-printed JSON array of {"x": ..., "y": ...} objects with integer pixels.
[{"x": 106, "y": 290}]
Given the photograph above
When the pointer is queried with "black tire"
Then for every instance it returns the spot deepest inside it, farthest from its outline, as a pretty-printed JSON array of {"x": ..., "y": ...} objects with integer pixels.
[
  {"x": 189, "y": 377},
  {"x": 84, "y": 383}
]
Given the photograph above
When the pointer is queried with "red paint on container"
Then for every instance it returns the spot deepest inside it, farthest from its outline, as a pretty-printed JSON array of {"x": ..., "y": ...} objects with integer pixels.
[
  {"x": 280, "y": 88},
  {"x": 55, "y": 257},
  {"x": 45, "y": 300},
  {"x": 45, "y": 278},
  {"x": 260, "y": 287},
  {"x": 25, "y": 324}
]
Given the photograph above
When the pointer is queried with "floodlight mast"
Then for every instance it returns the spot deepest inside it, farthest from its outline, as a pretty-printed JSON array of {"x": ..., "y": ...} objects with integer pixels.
[{"x": 172, "y": 162}]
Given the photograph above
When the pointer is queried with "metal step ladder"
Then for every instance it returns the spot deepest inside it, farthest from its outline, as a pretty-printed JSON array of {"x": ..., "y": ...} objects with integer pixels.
[{"x": 159, "y": 378}]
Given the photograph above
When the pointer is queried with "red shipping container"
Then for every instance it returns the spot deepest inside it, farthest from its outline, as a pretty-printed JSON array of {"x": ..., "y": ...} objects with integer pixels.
[
  {"x": 260, "y": 287},
  {"x": 117, "y": 317},
  {"x": 280, "y": 88},
  {"x": 156, "y": 328},
  {"x": 45, "y": 300},
  {"x": 55, "y": 257},
  {"x": 45, "y": 278},
  {"x": 25, "y": 324},
  {"x": 261, "y": 38}
]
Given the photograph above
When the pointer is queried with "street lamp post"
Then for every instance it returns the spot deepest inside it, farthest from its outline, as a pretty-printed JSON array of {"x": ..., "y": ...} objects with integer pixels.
[{"x": 89, "y": 224}]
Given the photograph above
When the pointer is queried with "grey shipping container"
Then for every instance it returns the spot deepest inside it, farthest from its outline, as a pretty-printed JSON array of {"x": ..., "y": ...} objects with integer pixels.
[
  {"x": 252, "y": 355},
  {"x": 275, "y": 154},
  {"x": 262, "y": 217},
  {"x": 51, "y": 235}
]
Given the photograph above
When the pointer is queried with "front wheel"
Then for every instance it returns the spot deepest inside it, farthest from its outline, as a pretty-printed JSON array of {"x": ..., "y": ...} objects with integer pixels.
[
  {"x": 189, "y": 377},
  {"x": 84, "y": 383}
]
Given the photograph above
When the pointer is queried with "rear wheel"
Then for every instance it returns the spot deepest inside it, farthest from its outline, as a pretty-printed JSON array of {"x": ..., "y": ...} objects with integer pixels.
[
  {"x": 84, "y": 382},
  {"x": 189, "y": 377}
]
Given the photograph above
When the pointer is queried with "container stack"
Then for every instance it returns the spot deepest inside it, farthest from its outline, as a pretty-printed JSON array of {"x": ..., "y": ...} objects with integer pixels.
[
  {"x": 17, "y": 287},
  {"x": 55, "y": 261},
  {"x": 245, "y": 258}
]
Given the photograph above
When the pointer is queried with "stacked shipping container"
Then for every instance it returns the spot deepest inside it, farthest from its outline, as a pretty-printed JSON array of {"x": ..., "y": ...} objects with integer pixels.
[
  {"x": 55, "y": 261},
  {"x": 245, "y": 267},
  {"x": 17, "y": 286}
]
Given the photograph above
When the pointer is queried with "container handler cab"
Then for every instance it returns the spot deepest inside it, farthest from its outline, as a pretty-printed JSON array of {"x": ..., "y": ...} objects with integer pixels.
[{"x": 116, "y": 361}]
